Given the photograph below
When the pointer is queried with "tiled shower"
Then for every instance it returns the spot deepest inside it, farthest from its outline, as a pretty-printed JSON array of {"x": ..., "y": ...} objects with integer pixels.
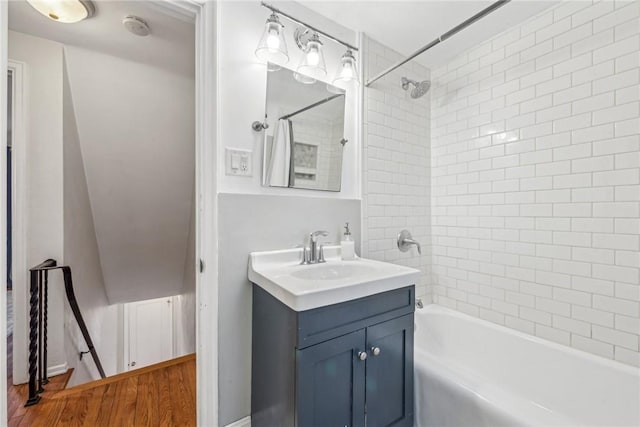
[{"x": 520, "y": 173}]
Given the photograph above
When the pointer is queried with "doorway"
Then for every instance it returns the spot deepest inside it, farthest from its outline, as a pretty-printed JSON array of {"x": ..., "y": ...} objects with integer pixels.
[
  {"x": 9, "y": 213},
  {"x": 111, "y": 176},
  {"x": 205, "y": 17}
]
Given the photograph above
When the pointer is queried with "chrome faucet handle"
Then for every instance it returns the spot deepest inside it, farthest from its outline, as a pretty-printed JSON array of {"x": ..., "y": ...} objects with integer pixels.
[
  {"x": 305, "y": 254},
  {"x": 314, "y": 236},
  {"x": 313, "y": 245},
  {"x": 414, "y": 242},
  {"x": 405, "y": 240}
]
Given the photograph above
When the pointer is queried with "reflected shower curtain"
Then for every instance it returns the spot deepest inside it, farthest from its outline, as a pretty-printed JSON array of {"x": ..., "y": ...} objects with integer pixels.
[{"x": 280, "y": 167}]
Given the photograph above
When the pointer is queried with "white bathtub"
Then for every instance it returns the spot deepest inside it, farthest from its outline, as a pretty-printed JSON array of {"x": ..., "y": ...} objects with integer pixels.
[{"x": 470, "y": 372}]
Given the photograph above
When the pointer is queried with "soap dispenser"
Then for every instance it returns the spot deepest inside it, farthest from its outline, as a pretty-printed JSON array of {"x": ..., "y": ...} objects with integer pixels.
[{"x": 347, "y": 245}]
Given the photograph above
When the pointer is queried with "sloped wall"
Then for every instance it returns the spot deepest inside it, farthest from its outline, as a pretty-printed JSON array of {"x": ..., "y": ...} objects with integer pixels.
[
  {"x": 137, "y": 136},
  {"x": 81, "y": 253}
]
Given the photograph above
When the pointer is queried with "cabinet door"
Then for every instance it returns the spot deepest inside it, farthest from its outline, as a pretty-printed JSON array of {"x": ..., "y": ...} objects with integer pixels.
[
  {"x": 330, "y": 383},
  {"x": 389, "y": 379}
]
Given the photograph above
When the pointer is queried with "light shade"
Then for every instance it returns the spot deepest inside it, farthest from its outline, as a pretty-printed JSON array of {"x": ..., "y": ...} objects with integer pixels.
[
  {"x": 347, "y": 72},
  {"x": 272, "y": 47},
  {"x": 66, "y": 11},
  {"x": 304, "y": 79},
  {"x": 313, "y": 64}
]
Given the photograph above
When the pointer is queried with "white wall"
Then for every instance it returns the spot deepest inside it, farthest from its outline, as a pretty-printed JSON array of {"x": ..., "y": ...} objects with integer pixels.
[
  {"x": 535, "y": 172},
  {"x": 242, "y": 97},
  {"x": 81, "y": 254},
  {"x": 252, "y": 217},
  {"x": 137, "y": 132},
  {"x": 43, "y": 123},
  {"x": 396, "y": 164},
  {"x": 251, "y": 223}
]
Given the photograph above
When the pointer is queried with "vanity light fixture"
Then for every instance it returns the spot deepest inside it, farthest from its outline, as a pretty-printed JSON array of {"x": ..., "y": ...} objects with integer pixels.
[
  {"x": 347, "y": 71},
  {"x": 66, "y": 11},
  {"x": 312, "y": 63},
  {"x": 272, "y": 48},
  {"x": 312, "y": 67}
]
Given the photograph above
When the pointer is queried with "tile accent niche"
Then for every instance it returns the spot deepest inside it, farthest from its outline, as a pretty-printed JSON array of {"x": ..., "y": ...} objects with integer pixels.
[
  {"x": 536, "y": 173},
  {"x": 396, "y": 164}
]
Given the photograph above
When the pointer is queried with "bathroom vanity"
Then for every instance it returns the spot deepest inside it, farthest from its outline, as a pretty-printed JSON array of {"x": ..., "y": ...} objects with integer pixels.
[{"x": 345, "y": 362}]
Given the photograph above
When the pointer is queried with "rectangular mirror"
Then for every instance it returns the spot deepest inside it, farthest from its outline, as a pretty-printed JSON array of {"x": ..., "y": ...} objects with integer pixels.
[{"x": 305, "y": 138}]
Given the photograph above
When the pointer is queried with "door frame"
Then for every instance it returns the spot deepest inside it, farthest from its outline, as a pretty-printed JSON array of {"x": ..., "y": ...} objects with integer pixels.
[
  {"x": 204, "y": 14},
  {"x": 4, "y": 62},
  {"x": 19, "y": 213}
]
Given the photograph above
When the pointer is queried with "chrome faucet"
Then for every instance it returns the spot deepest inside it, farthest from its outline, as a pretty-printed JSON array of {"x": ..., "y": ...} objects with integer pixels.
[{"x": 315, "y": 253}]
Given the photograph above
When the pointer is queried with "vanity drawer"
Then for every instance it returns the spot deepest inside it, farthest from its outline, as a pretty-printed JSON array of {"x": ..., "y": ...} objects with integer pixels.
[{"x": 324, "y": 323}]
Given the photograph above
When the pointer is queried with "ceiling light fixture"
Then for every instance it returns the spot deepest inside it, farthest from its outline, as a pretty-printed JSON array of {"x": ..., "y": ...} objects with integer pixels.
[
  {"x": 272, "y": 48},
  {"x": 65, "y": 11}
]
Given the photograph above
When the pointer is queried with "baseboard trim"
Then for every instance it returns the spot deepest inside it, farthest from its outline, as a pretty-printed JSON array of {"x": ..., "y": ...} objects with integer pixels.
[
  {"x": 52, "y": 371},
  {"x": 244, "y": 422}
]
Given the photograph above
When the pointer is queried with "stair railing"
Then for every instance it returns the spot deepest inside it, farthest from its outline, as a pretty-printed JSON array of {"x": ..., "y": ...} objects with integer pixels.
[{"x": 38, "y": 323}]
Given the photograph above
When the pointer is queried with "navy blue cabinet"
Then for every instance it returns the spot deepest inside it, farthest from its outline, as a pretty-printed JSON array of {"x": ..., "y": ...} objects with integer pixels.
[
  {"x": 330, "y": 382},
  {"x": 389, "y": 377},
  {"x": 344, "y": 365}
]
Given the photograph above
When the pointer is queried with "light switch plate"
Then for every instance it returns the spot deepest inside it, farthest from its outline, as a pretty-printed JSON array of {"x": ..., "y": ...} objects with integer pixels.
[{"x": 238, "y": 162}]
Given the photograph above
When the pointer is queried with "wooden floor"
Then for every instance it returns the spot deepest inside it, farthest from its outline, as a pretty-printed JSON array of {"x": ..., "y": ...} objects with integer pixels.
[{"x": 158, "y": 395}]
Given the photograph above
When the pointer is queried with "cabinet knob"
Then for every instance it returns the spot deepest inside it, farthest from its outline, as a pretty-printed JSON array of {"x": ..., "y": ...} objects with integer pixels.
[
  {"x": 375, "y": 351},
  {"x": 362, "y": 355}
]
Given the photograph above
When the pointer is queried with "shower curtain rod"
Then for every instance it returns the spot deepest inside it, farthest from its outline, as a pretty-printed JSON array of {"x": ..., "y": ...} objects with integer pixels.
[
  {"x": 442, "y": 38},
  {"x": 302, "y": 110}
]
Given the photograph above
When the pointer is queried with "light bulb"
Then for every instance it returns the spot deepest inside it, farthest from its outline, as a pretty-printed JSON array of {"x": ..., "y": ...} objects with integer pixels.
[
  {"x": 347, "y": 71},
  {"x": 273, "y": 41},
  {"x": 313, "y": 58}
]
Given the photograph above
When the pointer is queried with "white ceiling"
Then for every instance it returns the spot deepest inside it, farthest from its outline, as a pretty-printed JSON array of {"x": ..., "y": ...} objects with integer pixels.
[
  {"x": 169, "y": 46},
  {"x": 406, "y": 26}
]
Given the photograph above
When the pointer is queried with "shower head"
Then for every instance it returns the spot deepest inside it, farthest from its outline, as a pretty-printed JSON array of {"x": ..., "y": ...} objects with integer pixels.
[{"x": 419, "y": 88}]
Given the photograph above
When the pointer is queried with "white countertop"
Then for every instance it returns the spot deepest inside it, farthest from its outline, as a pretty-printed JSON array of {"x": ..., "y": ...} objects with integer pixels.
[{"x": 304, "y": 287}]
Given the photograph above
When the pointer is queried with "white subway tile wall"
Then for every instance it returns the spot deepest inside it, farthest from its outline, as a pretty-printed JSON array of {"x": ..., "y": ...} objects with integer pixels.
[
  {"x": 535, "y": 186},
  {"x": 396, "y": 158}
]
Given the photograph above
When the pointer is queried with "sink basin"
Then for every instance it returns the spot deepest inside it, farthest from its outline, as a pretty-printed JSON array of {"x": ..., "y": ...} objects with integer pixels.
[
  {"x": 305, "y": 287},
  {"x": 331, "y": 271}
]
